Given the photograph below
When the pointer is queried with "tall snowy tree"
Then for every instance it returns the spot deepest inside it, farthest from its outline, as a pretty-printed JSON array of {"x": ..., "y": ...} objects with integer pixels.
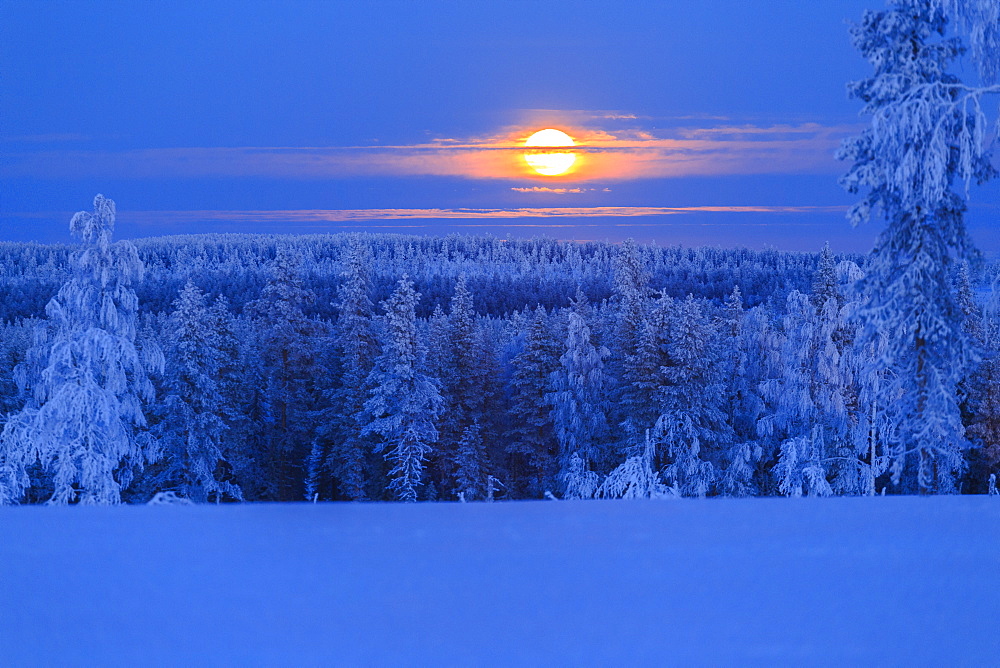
[
  {"x": 470, "y": 457},
  {"x": 466, "y": 389},
  {"x": 240, "y": 382},
  {"x": 691, "y": 431},
  {"x": 808, "y": 390},
  {"x": 193, "y": 414},
  {"x": 825, "y": 282},
  {"x": 83, "y": 420},
  {"x": 927, "y": 133},
  {"x": 578, "y": 399},
  {"x": 625, "y": 364},
  {"x": 287, "y": 339},
  {"x": 531, "y": 442},
  {"x": 743, "y": 403},
  {"x": 405, "y": 403},
  {"x": 343, "y": 449},
  {"x": 643, "y": 379}
]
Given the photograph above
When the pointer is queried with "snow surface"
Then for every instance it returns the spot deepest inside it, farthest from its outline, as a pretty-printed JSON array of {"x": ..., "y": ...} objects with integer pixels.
[{"x": 888, "y": 581}]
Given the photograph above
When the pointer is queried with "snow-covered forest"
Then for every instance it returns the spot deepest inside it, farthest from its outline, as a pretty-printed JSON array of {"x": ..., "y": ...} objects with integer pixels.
[{"x": 226, "y": 368}]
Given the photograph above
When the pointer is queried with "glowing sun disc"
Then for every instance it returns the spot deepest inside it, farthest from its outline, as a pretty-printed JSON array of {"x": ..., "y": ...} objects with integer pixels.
[{"x": 549, "y": 163}]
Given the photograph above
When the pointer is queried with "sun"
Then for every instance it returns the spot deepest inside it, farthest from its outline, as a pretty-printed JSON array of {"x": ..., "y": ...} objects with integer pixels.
[{"x": 550, "y": 163}]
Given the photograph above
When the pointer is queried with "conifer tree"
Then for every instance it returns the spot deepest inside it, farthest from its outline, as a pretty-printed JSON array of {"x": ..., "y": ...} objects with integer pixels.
[
  {"x": 83, "y": 420},
  {"x": 825, "y": 283},
  {"x": 927, "y": 132},
  {"x": 288, "y": 351},
  {"x": 193, "y": 413},
  {"x": 691, "y": 430},
  {"x": 626, "y": 349},
  {"x": 531, "y": 443},
  {"x": 471, "y": 475},
  {"x": 809, "y": 416},
  {"x": 405, "y": 403},
  {"x": 578, "y": 400},
  {"x": 643, "y": 381},
  {"x": 743, "y": 404},
  {"x": 343, "y": 449},
  {"x": 983, "y": 401},
  {"x": 463, "y": 382}
]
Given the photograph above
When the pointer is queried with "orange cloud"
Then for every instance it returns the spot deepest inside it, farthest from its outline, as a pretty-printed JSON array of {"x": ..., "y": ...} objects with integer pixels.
[
  {"x": 306, "y": 216},
  {"x": 558, "y": 191}
]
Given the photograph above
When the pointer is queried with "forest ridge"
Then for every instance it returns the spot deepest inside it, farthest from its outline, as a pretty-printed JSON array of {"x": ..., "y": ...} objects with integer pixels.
[{"x": 378, "y": 367}]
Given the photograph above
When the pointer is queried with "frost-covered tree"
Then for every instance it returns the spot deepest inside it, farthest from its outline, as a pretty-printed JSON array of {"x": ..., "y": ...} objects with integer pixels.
[
  {"x": 89, "y": 382},
  {"x": 193, "y": 413},
  {"x": 405, "y": 403},
  {"x": 578, "y": 481},
  {"x": 240, "y": 377},
  {"x": 807, "y": 390},
  {"x": 743, "y": 404},
  {"x": 470, "y": 472},
  {"x": 341, "y": 450},
  {"x": 287, "y": 340},
  {"x": 927, "y": 138},
  {"x": 692, "y": 432},
  {"x": 578, "y": 399},
  {"x": 635, "y": 478},
  {"x": 856, "y": 382},
  {"x": 642, "y": 383},
  {"x": 464, "y": 368},
  {"x": 531, "y": 443},
  {"x": 624, "y": 364},
  {"x": 983, "y": 400},
  {"x": 825, "y": 281}
]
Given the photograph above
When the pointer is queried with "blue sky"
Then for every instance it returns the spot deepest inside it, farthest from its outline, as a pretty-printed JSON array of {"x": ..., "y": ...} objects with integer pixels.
[{"x": 700, "y": 123}]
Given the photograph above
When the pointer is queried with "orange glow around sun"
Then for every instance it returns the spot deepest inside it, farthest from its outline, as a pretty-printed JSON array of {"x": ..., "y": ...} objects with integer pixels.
[{"x": 550, "y": 163}]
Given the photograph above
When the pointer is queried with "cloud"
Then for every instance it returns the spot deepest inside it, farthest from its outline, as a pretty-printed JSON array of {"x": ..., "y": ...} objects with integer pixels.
[
  {"x": 603, "y": 154},
  {"x": 558, "y": 191},
  {"x": 367, "y": 216}
]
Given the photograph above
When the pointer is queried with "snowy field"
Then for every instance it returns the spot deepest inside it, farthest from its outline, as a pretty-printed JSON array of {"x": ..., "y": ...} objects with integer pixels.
[{"x": 846, "y": 581}]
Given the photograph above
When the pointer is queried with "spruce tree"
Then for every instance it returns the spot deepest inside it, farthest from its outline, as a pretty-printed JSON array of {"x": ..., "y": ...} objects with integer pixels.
[
  {"x": 464, "y": 384},
  {"x": 825, "y": 283},
  {"x": 927, "y": 134},
  {"x": 84, "y": 418},
  {"x": 287, "y": 339},
  {"x": 193, "y": 413},
  {"x": 743, "y": 404},
  {"x": 531, "y": 443},
  {"x": 626, "y": 349},
  {"x": 470, "y": 472},
  {"x": 340, "y": 445},
  {"x": 691, "y": 430},
  {"x": 405, "y": 403},
  {"x": 578, "y": 399}
]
